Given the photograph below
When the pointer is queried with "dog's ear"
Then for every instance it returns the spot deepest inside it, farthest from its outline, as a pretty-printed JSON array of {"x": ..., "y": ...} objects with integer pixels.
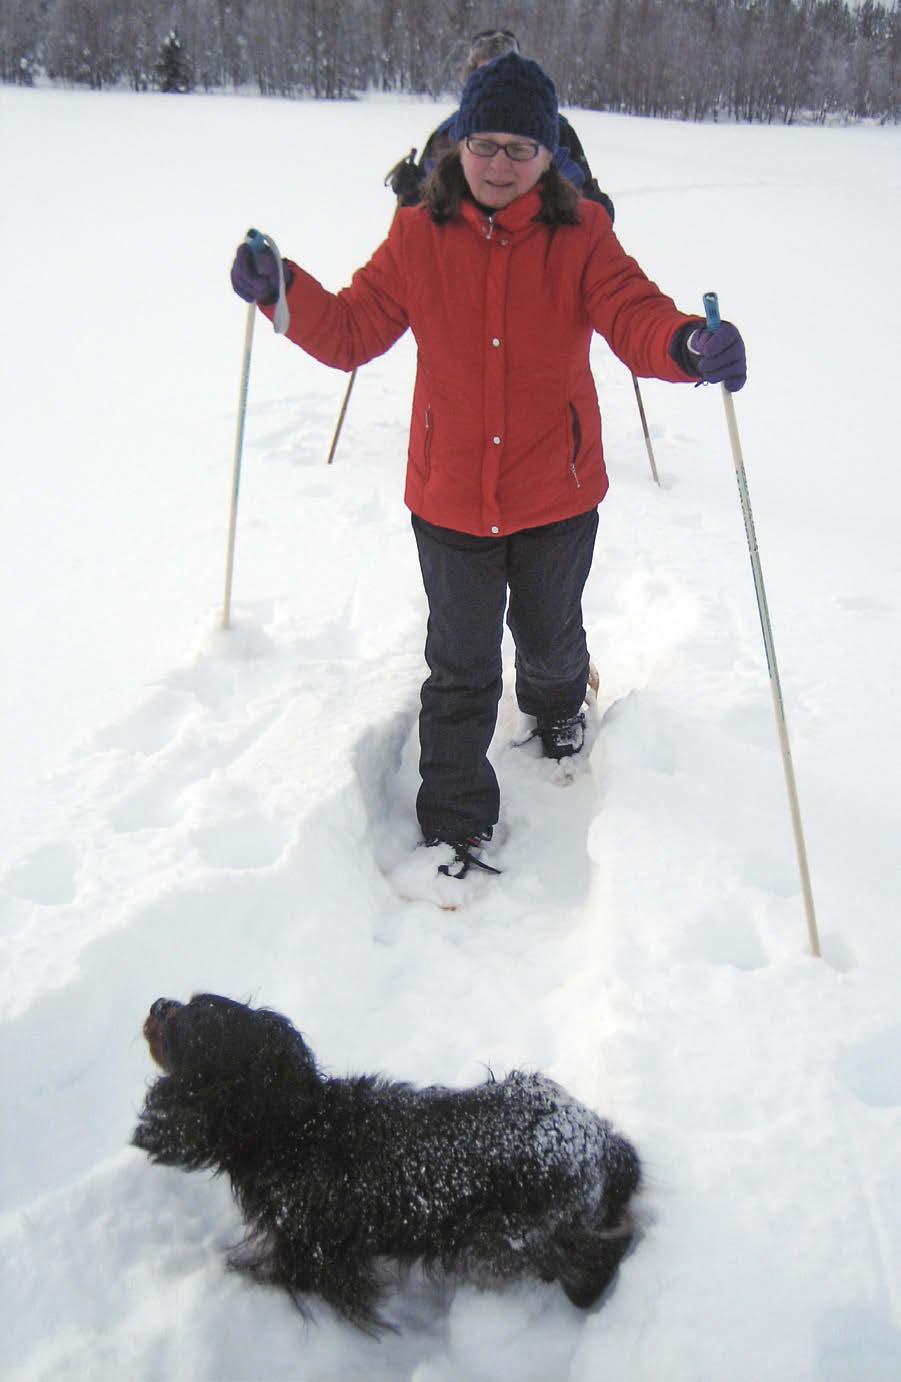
[
  {"x": 173, "y": 1132},
  {"x": 276, "y": 1048}
]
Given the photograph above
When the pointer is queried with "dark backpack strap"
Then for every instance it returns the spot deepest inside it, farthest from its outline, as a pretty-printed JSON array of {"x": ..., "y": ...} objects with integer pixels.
[{"x": 589, "y": 189}]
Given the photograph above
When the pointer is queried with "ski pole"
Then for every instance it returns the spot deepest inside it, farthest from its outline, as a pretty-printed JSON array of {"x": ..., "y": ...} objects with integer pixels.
[
  {"x": 644, "y": 428},
  {"x": 257, "y": 242},
  {"x": 339, "y": 424},
  {"x": 712, "y": 312},
  {"x": 353, "y": 374}
]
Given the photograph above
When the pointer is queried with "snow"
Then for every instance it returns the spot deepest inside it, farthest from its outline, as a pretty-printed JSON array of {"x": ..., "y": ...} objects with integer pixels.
[{"x": 185, "y": 809}]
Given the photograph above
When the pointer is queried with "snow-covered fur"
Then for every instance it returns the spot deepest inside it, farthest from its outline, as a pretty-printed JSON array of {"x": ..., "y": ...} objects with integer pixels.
[{"x": 512, "y": 1178}]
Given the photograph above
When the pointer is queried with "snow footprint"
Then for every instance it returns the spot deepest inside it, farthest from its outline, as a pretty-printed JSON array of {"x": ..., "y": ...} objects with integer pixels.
[
  {"x": 538, "y": 844},
  {"x": 157, "y": 802},
  {"x": 871, "y": 1069},
  {"x": 149, "y": 728}
]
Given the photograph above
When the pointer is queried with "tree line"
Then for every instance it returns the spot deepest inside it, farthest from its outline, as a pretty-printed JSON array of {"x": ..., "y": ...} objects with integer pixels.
[{"x": 756, "y": 60}]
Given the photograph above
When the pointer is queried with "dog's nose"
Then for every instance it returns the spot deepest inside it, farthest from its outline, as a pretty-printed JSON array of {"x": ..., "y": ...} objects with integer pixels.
[{"x": 163, "y": 1006}]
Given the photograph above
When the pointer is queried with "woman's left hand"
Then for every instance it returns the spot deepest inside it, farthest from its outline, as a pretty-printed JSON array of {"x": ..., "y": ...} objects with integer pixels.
[{"x": 719, "y": 356}]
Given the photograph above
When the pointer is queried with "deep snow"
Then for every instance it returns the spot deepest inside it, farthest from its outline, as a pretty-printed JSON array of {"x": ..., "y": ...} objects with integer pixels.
[{"x": 187, "y": 809}]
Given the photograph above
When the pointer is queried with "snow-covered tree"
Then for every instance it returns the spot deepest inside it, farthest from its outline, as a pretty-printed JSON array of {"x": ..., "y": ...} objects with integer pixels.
[{"x": 173, "y": 66}]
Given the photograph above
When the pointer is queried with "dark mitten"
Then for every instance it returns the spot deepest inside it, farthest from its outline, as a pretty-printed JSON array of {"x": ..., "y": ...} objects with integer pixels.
[
  {"x": 714, "y": 357},
  {"x": 720, "y": 355},
  {"x": 255, "y": 275}
]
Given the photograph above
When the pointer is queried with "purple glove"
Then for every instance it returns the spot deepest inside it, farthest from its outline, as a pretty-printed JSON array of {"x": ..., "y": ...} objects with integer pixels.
[
  {"x": 255, "y": 276},
  {"x": 718, "y": 356}
]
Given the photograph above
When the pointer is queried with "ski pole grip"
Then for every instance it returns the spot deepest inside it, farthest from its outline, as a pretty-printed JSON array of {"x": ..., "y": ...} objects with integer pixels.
[
  {"x": 712, "y": 311},
  {"x": 258, "y": 242}
]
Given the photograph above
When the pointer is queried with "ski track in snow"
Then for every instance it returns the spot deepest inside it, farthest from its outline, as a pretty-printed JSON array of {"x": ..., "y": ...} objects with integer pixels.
[
  {"x": 248, "y": 827},
  {"x": 207, "y": 829},
  {"x": 211, "y": 824},
  {"x": 252, "y": 780}
]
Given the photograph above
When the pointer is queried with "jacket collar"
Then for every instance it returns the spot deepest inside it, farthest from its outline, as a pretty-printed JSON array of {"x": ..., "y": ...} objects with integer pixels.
[{"x": 519, "y": 215}]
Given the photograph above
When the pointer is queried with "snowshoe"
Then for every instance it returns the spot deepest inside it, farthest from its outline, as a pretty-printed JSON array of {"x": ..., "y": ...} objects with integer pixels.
[
  {"x": 466, "y": 853},
  {"x": 563, "y": 736}
]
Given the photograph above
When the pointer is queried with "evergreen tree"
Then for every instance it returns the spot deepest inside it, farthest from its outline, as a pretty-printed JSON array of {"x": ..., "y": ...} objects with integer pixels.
[
  {"x": 698, "y": 59},
  {"x": 173, "y": 66}
]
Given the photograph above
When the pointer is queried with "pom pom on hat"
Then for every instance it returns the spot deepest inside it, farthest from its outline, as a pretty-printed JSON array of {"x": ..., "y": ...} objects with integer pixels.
[{"x": 511, "y": 95}]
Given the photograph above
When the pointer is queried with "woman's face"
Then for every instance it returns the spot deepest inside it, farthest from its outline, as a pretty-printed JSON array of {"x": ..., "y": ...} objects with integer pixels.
[{"x": 499, "y": 180}]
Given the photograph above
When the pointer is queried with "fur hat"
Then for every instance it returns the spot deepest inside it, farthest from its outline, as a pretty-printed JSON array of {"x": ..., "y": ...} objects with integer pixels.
[
  {"x": 511, "y": 95},
  {"x": 490, "y": 43}
]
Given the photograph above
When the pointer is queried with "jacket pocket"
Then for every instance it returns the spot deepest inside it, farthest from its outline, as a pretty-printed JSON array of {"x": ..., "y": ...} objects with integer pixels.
[{"x": 575, "y": 428}]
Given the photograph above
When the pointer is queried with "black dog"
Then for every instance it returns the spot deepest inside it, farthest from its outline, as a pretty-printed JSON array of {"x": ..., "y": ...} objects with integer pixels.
[{"x": 513, "y": 1178}]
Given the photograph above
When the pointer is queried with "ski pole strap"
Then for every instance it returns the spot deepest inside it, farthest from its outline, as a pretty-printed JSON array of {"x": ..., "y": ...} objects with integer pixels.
[
  {"x": 712, "y": 311},
  {"x": 281, "y": 319}
]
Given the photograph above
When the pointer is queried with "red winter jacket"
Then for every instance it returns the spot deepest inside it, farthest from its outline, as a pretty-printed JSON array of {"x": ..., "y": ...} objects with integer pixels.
[{"x": 505, "y": 432}]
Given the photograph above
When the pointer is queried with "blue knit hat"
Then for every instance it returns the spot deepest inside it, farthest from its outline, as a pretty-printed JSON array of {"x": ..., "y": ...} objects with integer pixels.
[{"x": 511, "y": 95}]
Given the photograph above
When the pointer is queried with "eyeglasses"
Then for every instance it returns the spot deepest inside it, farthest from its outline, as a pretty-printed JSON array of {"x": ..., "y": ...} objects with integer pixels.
[
  {"x": 520, "y": 150},
  {"x": 496, "y": 33}
]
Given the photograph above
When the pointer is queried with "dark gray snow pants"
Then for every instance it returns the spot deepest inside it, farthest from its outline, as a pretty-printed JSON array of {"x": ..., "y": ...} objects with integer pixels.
[{"x": 466, "y": 583}]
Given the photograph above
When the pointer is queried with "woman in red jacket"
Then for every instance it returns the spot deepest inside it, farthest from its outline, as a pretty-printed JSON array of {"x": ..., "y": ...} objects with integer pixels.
[{"x": 502, "y": 274}]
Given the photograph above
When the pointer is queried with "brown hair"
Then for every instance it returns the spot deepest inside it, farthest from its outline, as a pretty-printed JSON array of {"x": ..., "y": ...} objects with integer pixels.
[{"x": 447, "y": 187}]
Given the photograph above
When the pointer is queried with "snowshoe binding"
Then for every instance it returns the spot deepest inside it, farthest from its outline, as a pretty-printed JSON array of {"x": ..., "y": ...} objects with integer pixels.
[
  {"x": 563, "y": 736},
  {"x": 466, "y": 853}
]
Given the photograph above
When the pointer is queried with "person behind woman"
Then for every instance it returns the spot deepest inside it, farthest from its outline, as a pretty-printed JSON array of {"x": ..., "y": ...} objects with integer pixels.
[
  {"x": 502, "y": 274},
  {"x": 408, "y": 178}
]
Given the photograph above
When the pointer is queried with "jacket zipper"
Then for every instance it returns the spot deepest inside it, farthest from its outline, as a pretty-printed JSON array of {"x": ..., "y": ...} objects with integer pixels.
[
  {"x": 427, "y": 445},
  {"x": 577, "y": 443}
]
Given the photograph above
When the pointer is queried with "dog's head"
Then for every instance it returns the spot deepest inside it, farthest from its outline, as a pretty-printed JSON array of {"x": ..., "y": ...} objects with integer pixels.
[
  {"x": 213, "y": 1038},
  {"x": 230, "y": 1073}
]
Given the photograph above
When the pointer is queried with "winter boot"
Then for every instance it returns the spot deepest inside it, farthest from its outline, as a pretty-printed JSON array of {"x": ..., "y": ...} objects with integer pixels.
[
  {"x": 466, "y": 853},
  {"x": 561, "y": 737}
]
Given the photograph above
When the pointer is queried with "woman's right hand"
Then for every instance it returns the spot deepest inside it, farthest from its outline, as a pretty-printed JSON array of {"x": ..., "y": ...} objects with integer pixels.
[{"x": 255, "y": 276}]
